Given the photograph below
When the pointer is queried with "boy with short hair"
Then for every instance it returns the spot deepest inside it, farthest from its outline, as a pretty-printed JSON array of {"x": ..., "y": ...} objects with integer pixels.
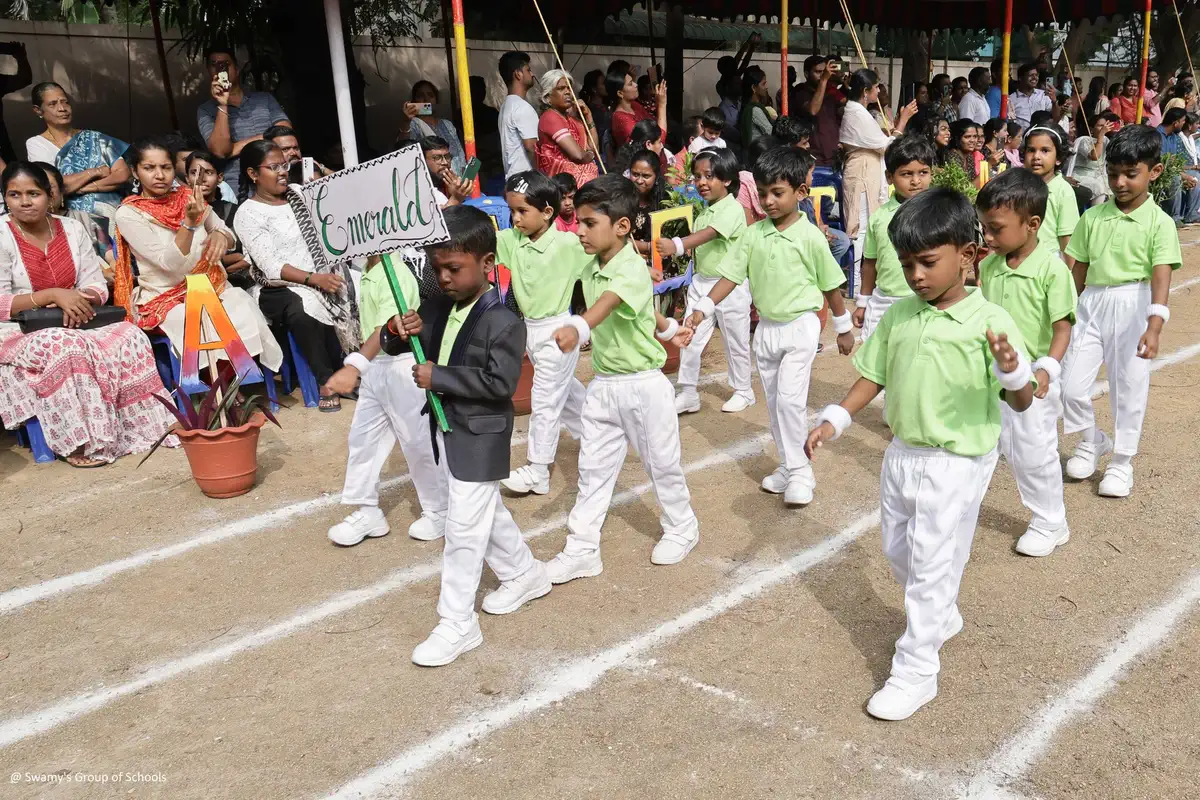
[
  {"x": 909, "y": 163},
  {"x": 1026, "y": 278},
  {"x": 1124, "y": 251},
  {"x": 545, "y": 264},
  {"x": 477, "y": 345},
  {"x": 629, "y": 399},
  {"x": 709, "y": 127},
  {"x": 944, "y": 355},
  {"x": 567, "y": 186},
  {"x": 789, "y": 266}
]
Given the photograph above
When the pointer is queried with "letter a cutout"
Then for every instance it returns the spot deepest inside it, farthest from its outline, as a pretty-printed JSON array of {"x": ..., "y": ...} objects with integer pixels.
[{"x": 200, "y": 298}]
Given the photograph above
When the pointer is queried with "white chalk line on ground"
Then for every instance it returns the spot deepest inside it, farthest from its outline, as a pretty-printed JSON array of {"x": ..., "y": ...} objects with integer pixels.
[
  {"x": 581, "y": 675},
  {"x": 28, "y": 725}
]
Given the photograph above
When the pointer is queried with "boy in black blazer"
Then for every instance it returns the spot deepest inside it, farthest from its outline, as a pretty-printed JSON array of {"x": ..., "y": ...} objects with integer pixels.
[{"x": 475, "y": 345}]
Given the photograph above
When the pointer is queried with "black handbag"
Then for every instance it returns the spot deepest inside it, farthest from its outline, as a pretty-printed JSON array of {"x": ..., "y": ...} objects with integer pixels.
[{"x": 36, "y": 319}]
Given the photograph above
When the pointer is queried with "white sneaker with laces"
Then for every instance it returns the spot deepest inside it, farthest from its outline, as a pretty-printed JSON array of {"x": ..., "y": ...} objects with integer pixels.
[
  {"x": 528, "y": 479},
  {"x": 511, "y": 595},
  {"x": 1118, "y": 481},
  {"x": 798, "y": 493},
  {"x": 738, "y": 403},
  {"x": 1082, "y": 463},
  {"x": 428, "y": 527},
  {"x": 687, "y": 402},
  {"x": 777, "y": 481},
  {"x": 672, "y": 548},
  {"x": 563, "y": 568},
  {"x": 446, "y": 643},
  {"x": 366, "y": 522},
  {"x": 1041, "y": 543},
  {"x": 898, "y": 700}
]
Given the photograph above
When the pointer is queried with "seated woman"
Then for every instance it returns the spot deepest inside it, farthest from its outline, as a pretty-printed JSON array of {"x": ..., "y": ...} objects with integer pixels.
[
  {"x": 415, "y": 126},
  {"x": 313, "y": 305},
  {"x": 89, "y": 389},
  {"x": 94, "y": 172},
  {"x": 645, "y": 170},
  {"x": 565, "y": 133},
  {"x": 200, "y": 169},
  {"x": 964, "y": 145},
  {"x": 171, "y": 233},
  {"x": 626, "y": 110}
]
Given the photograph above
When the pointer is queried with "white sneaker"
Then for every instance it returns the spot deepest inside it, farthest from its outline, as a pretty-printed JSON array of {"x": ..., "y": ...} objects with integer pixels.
[
  {"x": 511, "y": 595},
  {"x": 367, "y": 521},
  {"x": 672, "y": 548},
  {"x": 898, "y": 700},
  {"x": 738, "y": 403},
  {"x": 446, "y": 644},
  {"x": 777, "y": 481},
  {"x": 428, "y": 528},
  {"x": 798, "y": 493},
  {"x": 527, "y": 479},
  {"x": 954, "y": 625},
  {"x": 1082, "y": 463},
  {"x": 563, "y": 568},
  {"x": 1040, "y": 543},
  {"x": 1118, "y": 481},
  {"x": 687, "y": 402}
]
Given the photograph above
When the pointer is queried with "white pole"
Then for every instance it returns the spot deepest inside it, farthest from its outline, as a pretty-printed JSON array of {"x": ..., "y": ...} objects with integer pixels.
[{"x": 341, "y": 82}]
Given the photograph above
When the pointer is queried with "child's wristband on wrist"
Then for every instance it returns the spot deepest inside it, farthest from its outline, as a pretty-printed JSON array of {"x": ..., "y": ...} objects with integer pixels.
[
  {"x": 668, "y": 334},
  {"x": 837, "y": 417},
  {"x": 359, "y": 362},
  {"x": 705, "y": 306},
  {"x": 585, "y": 331},
  {"x": 678, "y": 242},
  {"x": 1017, "y": 379},
  {"x": 1160, "y": 311},
  {"x": 862, "y": 300},
  {"x": 842, "y": 324},
  {"x": 1050, "y": 366}
]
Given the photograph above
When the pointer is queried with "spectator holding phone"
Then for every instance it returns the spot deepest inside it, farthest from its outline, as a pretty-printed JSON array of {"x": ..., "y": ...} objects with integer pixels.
[
  {"x": 421, "y": 120},
  {"x": 286, "y": 140},
  {"x": 627, "y": 111},
  {"x": 448, "y": 188},
  {"x": 822, "y": 101}
]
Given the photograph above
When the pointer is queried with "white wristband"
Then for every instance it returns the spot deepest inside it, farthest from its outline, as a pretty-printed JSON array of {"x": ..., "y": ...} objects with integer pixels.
[
  {"x": 1017, "y": 379},
  {"x": 842, "y": 324},
  {"x": 585, "y": 330},
  {"x": 862, "y": 300},
  {"x": 1050, "y": 365},
  {"x": 669, "y": 333},
  {"x": 358, "y": 361},
  {"x": 678, "y": 245},
  {"x": 837, "y": 417},
  {"x": 705, "y": 306},
  {"x": 1159, "y": 310}
]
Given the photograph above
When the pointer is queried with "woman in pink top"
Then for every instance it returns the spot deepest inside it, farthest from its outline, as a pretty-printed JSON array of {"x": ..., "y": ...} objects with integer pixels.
[
  {"x": 627, "y": 111},
  {"x": 565, "y": 131}
]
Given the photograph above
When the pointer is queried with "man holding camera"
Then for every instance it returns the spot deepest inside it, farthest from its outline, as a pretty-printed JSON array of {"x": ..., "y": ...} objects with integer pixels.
[{"x": 823, "y": 101}]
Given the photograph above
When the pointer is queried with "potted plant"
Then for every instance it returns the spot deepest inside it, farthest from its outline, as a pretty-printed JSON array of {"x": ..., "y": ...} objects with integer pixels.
[{"x": 219, "y": 435}]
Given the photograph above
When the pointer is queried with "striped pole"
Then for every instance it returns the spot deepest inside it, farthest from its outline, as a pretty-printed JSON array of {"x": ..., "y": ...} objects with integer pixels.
[
  {"x": 1145, "y": 64},
  {"x": 1005, "y": 67},
  {"x": 464, "y": 86},
  {"x": 783, "y": 54}
]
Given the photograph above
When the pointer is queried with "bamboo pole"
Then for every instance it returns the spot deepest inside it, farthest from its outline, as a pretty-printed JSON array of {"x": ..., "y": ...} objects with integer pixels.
[
  {"x": 1071, "y": 73},
  {"x": 1186, "y": 50},
  {"x": 1145, "y": 64},
  {"x": 861, "y": 57}
]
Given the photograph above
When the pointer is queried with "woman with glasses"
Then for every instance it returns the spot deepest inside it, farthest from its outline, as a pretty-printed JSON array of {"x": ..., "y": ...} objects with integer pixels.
[
  {"x": 313, "y": 305},
  {"x": 170, "y": 232}
]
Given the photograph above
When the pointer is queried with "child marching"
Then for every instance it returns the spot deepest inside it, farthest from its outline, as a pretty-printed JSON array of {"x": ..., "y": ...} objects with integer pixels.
[{"x": 1044, "y": 151}]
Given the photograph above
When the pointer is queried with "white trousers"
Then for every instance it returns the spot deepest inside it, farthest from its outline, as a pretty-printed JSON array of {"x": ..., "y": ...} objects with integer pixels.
[
  {"x": 389, "y": 411},
  {"x": 785, "y": 353},
  {"x": 929, "y": 501},
  {"x": 1109, "y": 323},
  {"x": 877, "y": 305},
  {"x": 478, "y": 528},
  {"x": 1029, "y": 443},
  {"x": 622, "y": 410},
  {"x": 557, "y": 396},
  {"x": 733, "y": 314}
]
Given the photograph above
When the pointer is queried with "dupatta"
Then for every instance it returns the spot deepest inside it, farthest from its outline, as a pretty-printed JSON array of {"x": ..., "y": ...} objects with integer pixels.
[{"x": 87, "y": 150}]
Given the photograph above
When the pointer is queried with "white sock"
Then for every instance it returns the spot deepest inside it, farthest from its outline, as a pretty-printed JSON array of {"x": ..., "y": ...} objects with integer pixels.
[{"x": 1095, "y": 436}]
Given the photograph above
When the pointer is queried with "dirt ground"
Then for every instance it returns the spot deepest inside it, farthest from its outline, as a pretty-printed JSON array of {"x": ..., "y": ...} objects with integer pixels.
[{"x": 154, "y": 643}]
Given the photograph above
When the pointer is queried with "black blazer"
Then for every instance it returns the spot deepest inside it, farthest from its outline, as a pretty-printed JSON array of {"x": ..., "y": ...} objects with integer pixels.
[{"x": 477, "y": 385}]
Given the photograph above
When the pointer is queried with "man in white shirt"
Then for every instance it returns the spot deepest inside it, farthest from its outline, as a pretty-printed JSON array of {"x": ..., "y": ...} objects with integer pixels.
[
  {"x": 1028, "y": 98},
  {"x": 974, "y": 105},
  {"x": 518, "y": 120}
]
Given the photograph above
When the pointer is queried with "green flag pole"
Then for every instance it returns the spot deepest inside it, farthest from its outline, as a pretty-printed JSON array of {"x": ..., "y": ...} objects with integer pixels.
[{"x": 435, "y": 402}]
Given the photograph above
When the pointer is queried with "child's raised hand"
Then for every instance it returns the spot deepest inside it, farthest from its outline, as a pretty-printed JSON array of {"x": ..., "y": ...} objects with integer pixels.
[
  {"x": 820, "y": 434},
  {"x": 1002, "y": 351},
  {"x": 423, "y": 375},
  {"x": 694, "y": 320},
  {"x": 343, "y": 381},
  {"x": 665, "y": 247},
  {"x": 845, "y": 342},
  {"x": 1148, "y": 345},
  {"x": 567, "y": 338}
]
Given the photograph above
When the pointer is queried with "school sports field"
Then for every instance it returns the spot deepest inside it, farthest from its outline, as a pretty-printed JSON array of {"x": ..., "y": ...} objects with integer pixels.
[{"x": 157, "y": 644}]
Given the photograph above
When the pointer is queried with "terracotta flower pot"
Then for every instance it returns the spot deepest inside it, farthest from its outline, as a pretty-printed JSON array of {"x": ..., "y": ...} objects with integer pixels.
[
  {"x": 224, "y": 462},
  {"x": 523, "y": 394},
  {"x": 672, "y": 364}
]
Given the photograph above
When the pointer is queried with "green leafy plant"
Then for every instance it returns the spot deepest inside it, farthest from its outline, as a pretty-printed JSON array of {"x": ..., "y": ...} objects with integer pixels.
[
  {"x": 953, "y": 176},
  {"x": 1173, "y": 167}
]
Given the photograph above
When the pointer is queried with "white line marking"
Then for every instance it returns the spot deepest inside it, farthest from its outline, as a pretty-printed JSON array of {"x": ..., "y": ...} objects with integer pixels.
[
  {"x": 1020, "y": 752},
  {"x": 23, "y": 727}
]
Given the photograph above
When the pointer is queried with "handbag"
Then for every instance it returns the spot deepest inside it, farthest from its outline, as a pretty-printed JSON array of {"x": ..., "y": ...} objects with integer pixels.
[{"x": 36, "y": 319}]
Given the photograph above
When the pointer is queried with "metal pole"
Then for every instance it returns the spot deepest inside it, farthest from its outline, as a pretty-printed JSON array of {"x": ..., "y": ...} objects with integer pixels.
[
  {"x": 650, "y": 31},
  {"x": 783, "y": 58},
  {"x": 1005, "y": 69},
  {"x": 341, "y": 82},
  {"x": 1145, "y": 64},
  {"x": 464, "y": 86}
]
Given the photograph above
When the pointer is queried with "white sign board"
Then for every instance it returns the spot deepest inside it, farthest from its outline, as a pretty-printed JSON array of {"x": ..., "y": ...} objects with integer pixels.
[{"x": 373, "y": 208}]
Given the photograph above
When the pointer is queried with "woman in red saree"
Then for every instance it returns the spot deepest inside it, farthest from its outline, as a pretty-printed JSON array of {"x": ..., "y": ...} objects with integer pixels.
[
  {"x": 89, "y": 389},
  {"x": 565, "y": 132}
]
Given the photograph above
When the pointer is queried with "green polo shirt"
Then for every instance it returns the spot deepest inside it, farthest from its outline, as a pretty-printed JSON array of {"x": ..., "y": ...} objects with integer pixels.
[
  {"x": 453, "y": 325},
  {"x": 889, "y": 272},
  {"x": 1036, "y": 294},
  {"x": 789, "y": 270},
  {"x": 543, "y": 272},
  {"x": 1062, "y": 212},
  {"x": 1125, "y": 248},
  {"x": 375, "y": 302},
  {"x": 937, "y": 368},
  {"x": 624, "y": 343},
  {"x": 728, "y": 219}
]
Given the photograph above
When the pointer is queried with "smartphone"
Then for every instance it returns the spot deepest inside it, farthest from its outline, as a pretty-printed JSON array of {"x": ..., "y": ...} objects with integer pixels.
[
  {"x": 301, "y": 171},
  {"x": 424, "y": 109},
  {"x": 472, "y": 170},
  {"x": 835, "y": 66},
  {"x": 223, "y": 80}
]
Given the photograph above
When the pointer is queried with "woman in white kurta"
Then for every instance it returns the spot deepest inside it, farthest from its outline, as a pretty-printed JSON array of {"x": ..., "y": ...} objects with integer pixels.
[
  {"x": 89, "y": 389},
  {"x": 170, "y": 235}
]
